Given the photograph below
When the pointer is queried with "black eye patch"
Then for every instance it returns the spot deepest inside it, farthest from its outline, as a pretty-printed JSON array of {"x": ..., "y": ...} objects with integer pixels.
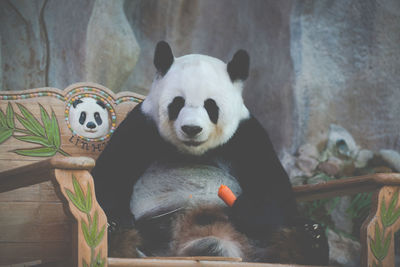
[
  {"x": 98, "y": 119},
  {"x": 82, "y": 118},
  {"x": 212, "y": 109},
  {"x": 175, "y": 107}
]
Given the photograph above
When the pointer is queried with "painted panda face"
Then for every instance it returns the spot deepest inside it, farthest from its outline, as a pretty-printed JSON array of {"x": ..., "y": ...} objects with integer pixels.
[
  {"x": 196, "y": 104},
  {"x": 89, "y": 117}
]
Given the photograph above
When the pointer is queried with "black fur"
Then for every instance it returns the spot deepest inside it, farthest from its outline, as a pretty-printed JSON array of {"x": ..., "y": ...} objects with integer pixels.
[
  {"x": 212, "y": 110},
  {"x": 238, "y": 67},
  {"x": 175, "y": 107},
  {"x": 163, "y": 57}
]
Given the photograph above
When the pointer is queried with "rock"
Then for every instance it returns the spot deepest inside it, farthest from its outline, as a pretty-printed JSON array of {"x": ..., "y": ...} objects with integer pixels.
[
  {"x": 341, "y": 143},
  {"x": 343, "y": 251},
  {"x": 333, "y": 166},
  {"x": 307, "y": 164},
  {"x": 363, "y": 156},
  {"x": 308, "y": 150},
  {"x": 391, "y": 157},
  {"x": 339, "y": 215},
  {"x": 111, "y": 47}
]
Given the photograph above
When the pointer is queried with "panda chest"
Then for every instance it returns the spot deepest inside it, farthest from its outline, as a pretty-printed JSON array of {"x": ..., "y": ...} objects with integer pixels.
[{"x": 166, "y": 187}]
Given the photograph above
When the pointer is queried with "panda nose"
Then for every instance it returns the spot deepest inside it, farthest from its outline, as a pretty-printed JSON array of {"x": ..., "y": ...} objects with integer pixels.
[
  {"x": 191, "y": 130},
  {"x": 91, "y": 125}
]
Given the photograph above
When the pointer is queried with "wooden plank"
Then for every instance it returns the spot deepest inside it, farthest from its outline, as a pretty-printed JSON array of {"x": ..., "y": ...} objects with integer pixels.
[
  {"x": 41, "y": 171},
  {"x": 165, "y": 262},
  {"x": 346, "y": 186},
  {"x": 32, "y": 231},
  {"x": 43, "y": 192},
  {"x": 12, "y": 253}
]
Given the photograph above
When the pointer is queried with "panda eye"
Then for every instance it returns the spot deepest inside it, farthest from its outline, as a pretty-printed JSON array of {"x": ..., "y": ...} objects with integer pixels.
[
  {"x": 82, "y": 118},
  {"x": 175, "y": 107},
  {"x": 212, "y": 109},
  {"x": 97, "y": 118}
]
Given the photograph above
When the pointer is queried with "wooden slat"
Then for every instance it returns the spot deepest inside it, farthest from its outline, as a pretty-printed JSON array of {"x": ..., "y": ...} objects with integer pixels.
[
  {"x": 43, "y": 192},
  {"x": 346, "y": 186},
  {"x": 165, "y": 262},
  {"x": 41, "y": 171},
  {"x": 12, "y": 253}
]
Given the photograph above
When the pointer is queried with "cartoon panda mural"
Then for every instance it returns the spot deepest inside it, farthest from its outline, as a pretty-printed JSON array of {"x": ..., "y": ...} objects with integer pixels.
[
  {"x": 158, "y": 178},
  {"x": 89, "y": 117}
]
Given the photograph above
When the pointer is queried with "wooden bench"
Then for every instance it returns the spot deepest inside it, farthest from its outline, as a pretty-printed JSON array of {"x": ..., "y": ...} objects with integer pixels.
[{"x": 48, "y": 208}]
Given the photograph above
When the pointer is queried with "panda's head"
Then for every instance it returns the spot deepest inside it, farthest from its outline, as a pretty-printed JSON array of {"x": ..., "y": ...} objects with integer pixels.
[
  {"x": 89, "y": 117},
  {"x": 196, "y": 100}
]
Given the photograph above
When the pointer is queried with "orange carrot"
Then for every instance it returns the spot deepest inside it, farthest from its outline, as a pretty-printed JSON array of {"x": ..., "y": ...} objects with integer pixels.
[{"x": 226, "y": 195}]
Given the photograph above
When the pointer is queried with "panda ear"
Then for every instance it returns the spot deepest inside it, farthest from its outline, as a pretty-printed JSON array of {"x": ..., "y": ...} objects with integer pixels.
[
  {"x": 238, "y": 67},
  {"x": 163, "y": 57},
  {"x": 76, "y": 102}
]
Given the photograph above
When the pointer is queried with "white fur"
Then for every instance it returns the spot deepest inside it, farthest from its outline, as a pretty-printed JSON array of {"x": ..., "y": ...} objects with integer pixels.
[
  {"x": 90, "y": 106},
  {"x": 196, "y": 78}
]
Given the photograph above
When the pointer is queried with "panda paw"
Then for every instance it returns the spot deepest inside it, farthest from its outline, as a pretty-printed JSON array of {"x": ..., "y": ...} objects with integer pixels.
[{"x": 315, "y": 235}]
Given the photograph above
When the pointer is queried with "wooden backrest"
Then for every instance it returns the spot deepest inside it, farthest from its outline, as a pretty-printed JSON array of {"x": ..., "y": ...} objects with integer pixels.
[
  {"x": 34, "y": 125},
  {"x": 39, "y": 123}
]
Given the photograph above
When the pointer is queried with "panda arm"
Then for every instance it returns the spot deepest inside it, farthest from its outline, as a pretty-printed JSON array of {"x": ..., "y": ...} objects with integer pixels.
[
  {"x": 128, "y": 153},
  {"x": 267, "y": 200}
]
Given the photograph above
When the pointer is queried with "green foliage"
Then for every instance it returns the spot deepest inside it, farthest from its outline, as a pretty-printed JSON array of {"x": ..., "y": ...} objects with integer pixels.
[
  {"x": 47, "y": 134},
  {"x": 90, "y": 229}
]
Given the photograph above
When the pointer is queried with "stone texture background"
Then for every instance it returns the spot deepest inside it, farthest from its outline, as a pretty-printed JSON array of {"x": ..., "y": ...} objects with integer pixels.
[{"x": 313, "y": 63}]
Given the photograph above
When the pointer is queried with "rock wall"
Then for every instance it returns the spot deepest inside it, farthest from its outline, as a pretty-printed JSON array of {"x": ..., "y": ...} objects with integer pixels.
[{"x": 313, "y": 63}]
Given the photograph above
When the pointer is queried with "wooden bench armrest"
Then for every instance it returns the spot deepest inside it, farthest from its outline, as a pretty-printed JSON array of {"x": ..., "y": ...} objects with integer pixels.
[
  {"x": 348, "y": 186},
  {"x": 41, "y": 171},
  {"x": 378, "y": 229}
]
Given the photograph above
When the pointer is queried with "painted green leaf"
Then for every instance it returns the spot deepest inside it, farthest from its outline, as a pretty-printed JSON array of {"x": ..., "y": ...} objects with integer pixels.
[
  {"x": 47, "y": 124},
  {"x": 55, "y": 130},
  {"x": 393, "y": 202},
  {"x": 99, "y": 261},
  {"x": 93, "y": 230},
  {"x": 34, "y": 139},
  {"x": 373, "y": 248},
  {"x": 378, "y": 239},
  {"x": 28, "y": 125},
  {"x": 79, "y": 193},
  {"x": 86, "y": 234},
  {"x": 10, "y": 116},
  {"x": 37, "y": 152},
  {"x": 99, "y": 236},
  {"x": 5, "y": 134},
  {"x": 386, "y": 245},
  {"x": 34, "y": 123},
  {"x": 3, "y": 120},
  {"x": 88, "y": 198},
  {"x": 75, "y": 200}
]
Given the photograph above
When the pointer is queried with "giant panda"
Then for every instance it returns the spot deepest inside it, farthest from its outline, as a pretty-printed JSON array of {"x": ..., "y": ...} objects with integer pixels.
[{"x": 157, "y": 179}]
